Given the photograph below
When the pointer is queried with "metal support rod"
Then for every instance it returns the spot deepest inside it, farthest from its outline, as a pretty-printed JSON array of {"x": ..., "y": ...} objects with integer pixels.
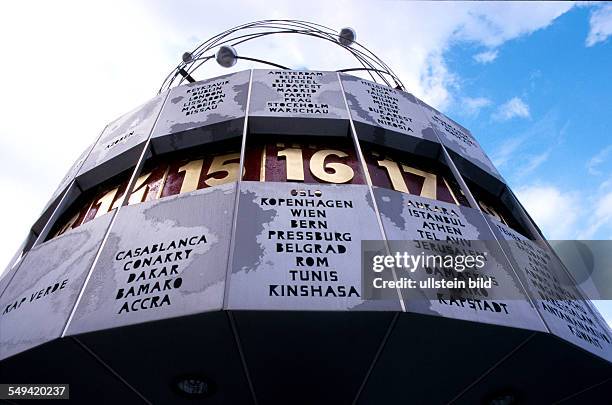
[
  {"x": 366, "y": 173},
  {"x": 237, "y": 198},
  {"x": 124, "y": 201},
  {"x": 230, "y": 258},
  {"x": 186, "y": 75}
]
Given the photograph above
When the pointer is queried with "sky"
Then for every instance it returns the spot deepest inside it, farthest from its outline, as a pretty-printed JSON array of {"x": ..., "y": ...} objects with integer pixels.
[{"x": 531, "y": 81}]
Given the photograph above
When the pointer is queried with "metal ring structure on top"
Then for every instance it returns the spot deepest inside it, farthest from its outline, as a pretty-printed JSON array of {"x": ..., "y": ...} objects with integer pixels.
[{"x": 377, "y": 69}]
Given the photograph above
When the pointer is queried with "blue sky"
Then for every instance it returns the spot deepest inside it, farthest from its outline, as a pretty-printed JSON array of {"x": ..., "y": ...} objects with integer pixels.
[
  {"x": 542, "y": 109},
  {"x": 531, "y": 80},
  {"x": 541, "y": 106}
]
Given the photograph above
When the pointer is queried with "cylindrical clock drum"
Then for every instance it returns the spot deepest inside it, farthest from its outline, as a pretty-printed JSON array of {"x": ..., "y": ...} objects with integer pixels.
[{"x": 209, "y": 244}]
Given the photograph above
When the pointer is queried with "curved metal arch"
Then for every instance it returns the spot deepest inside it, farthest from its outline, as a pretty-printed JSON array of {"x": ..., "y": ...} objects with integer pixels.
[
  {"x": 288, "y": 26},
  {"x": 370, "y": 62}
]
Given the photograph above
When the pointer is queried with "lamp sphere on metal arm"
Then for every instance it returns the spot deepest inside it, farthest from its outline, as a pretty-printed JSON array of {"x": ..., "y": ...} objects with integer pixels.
[
  {"x": 187, "y": 57},
  {"x": 226, "y": 56},
  {"x": 347, "y": 36}
]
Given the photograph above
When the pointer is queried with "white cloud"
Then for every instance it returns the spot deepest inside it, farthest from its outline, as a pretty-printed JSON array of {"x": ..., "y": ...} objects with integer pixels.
[
  {"x": 605, "y": 308},
  {"x": 554, "y": 210},
  {"x": 599, "y": 218},
  {"x": 603, "y": 210},
  {"x": 516, "y": 150},
  {"x": 430, "y": 27},
  {"x": 600, "y": 25},
  {"x": 493, "y": 23},
  {"x": 606, "y": 184},
  {"x": 515, "y": 107},
  {"x": 596, "y": 161},
  {"x": 506, "y": 150},
  {"x": 568, "y": 214},
  {"x": 486, "y": 56},
  {"x": 472, "y": 106},
  {"x": 533, "y": 162}
]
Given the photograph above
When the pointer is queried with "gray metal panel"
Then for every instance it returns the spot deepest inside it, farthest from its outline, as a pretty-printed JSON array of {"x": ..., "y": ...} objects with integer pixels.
[
  {"x": 122, "y": 288},
  {"x": 70, "y": 175},
  {"x": 69, "y": 197},
  {"x": 40, "y": 298},
  {"x": 297, "y": 103},
  {"x": 459, "y": 139},
  {"x": 387, "y": 108},
  {"x": 573, "y": 320},
  {"x": 120, "y": 144},
  {"x": 8, "y": 274},
  {"x": 261, "y": 276},
  {"x": 407, "y": 218},
  {"x": 202, "y": 112},
  {"x": 9, "y": 271}
]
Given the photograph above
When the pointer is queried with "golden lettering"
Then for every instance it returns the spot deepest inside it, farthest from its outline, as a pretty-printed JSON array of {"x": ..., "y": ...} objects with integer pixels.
[
  {"x": 429, "y": 182},
  {"x": 294, "y": 162},
  {"x": 262, "y": 169},
  {"x": 67, "y": 226},
  {"x": 162, "y": 183},
  {"x": 395, "y": 175},
  {"x": 450, "y": 190},
  {"x": 140, "y": 189},
  {"x": 219, "y": 165},
  {"x": 342, "y": 173},
  {"x": 492, "y": 212},
  {"x": 192, "y": 171},
  {"x": 105, "y": 202},
  {"x": 399, "y": 183}
]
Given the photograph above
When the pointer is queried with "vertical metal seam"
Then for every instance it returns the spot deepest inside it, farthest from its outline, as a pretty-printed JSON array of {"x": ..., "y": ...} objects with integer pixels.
[
  {"x": 457, "y": 175},
  {"x": 16, "y": 260},
  {"x": 230, "y": 259},
  {"x": 126, "y": 197},
  {"x": 589, "y": 303},
  {"x": 468, "y": 194},
  {"x": 366, "y": 173},
  {"x": 89, "y": 273},
  {"x": 383, "y": 234},
  {"x": 533, "y": 228},
  {"x": 477, "y": 208},
  {"x": 57, "y": 212},
  {"x": 515, "y": 270}
]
